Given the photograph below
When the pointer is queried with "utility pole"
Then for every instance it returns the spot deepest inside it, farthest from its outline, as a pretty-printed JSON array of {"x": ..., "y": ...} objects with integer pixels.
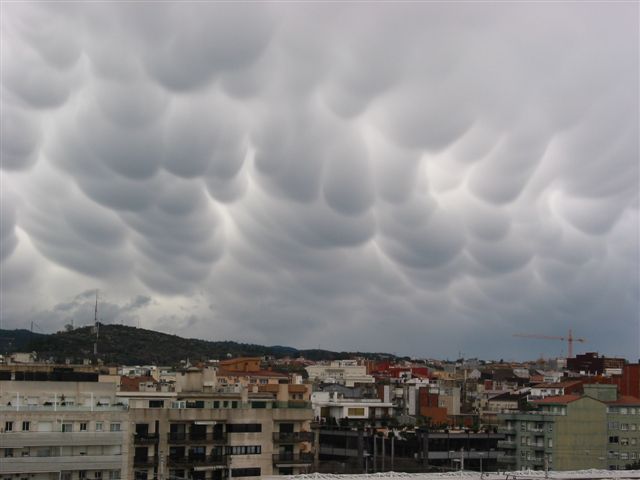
[
  {"x": 462, "y": 459},
  {"x": 393, "y": 438}
]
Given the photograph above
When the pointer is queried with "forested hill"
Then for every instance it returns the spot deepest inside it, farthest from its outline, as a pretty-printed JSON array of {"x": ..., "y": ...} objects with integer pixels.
[{"x": 121, "y": 344}]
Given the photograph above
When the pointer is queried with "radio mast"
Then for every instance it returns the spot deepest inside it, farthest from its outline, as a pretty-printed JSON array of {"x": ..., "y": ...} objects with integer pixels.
[{"x": 96, "y": 327}]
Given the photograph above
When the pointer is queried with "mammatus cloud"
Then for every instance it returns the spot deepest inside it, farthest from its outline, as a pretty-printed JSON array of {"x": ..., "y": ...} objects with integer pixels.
[{"x": 423, "y": 179}]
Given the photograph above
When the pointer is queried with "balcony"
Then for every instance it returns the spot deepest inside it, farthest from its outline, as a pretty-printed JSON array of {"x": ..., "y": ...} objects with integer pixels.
[
  {"x": 292, "y": 458},
  {"x": 292, "y": 404},
  {"x": 59, "y": 439},
  {"x": 19, "y": 465},
  {"x": 145, "y": 438},
  {"x": 506, "y": 444},
  {"x": 507, "y": 459},
  {"x": 199, "y": 438},
  {"x": 198, "y": 461},
  {"x": 538, "y": 447},
  {"x": 292, "y": 437},
  {"x": 144, "y": 461}
]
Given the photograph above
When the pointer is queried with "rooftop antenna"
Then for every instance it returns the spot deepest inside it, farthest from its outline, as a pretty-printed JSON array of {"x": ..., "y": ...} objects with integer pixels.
[{"x": 96, "y": 326}]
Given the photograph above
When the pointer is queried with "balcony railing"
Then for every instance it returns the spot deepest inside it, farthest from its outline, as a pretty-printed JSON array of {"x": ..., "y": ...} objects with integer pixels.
[
  {"x": 145, "y": 438},
  {"x": 292, "y": 404},
  {"x": 189, "y": 438},
  {"x": 144, "y": 461},
  {"x": 292, "y": 458},
  {"x": 507, "y": 459},
  {"x": 62, "y": 408},
  {"x": 292, "y": 437},
  {"x": 506, "y": 444},
  {"x": 538, "y": 447},
  {"x": 198, "y": 460}
]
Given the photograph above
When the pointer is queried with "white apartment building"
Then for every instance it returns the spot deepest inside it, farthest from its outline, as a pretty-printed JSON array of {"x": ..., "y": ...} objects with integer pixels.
[
  {"x": 332, "y": 405},
  {"x": 343, "y": 372},
  {"x": 62, "y": 431}
]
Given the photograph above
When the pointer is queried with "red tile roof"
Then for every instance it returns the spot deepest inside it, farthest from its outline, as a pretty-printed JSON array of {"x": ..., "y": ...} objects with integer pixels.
[
  {"x": 559, "y": 399},
  {"x": 132, "y": 384}
]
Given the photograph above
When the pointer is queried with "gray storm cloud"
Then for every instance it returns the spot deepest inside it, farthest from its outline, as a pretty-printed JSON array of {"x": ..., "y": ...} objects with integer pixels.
[{"x": 416, "y": 178}]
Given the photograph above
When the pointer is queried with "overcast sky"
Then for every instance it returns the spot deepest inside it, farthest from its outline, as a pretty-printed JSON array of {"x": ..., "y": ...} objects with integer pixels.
[{"x": 419, "y": 178}]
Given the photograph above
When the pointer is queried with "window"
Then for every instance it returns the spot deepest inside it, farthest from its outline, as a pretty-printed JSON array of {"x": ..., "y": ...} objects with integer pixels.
[
  {"x": 624, "y": 441},
  {"x": 258, "y": 404},
  {"x": 99, "y": 426},
  {"x": 234, "y": 404},
  {"x": 97, "y": 475},
  {"x": 82, "y": 474},
  {"x": 216, "y": 404},
  {"x": 8, "y": 426},
  {"x": 67, "y": 427},
  {"x": 624, "y": 426},
  {"x": 140, "y": 475},
  {"x": 244, "y": 428},
  {"x": 624, "y": 456},
  {"x": 551, "y": 443},
  {"x": 114, "y": 475},
  {"x": 156, "y": 403},
  {"x": 523, "y": 440},
  {"x": 523, "y": 426},
  {"x": 65, "y": 476},
  {"x": 25, "y": 426},
  {"x": 83, "y": 427},
  {"x": 613, "y": 439},
  {"x": 114, "y": 427},
  {"x": 8, "y": 452},
  {"x": 633, "y": 440},
  {"x": 244, "y": 450},
  {"x": 245, "y": 472}
]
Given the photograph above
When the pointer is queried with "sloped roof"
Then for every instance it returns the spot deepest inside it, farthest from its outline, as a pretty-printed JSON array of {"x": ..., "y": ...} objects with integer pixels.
[{"x": 559, "y": 399}]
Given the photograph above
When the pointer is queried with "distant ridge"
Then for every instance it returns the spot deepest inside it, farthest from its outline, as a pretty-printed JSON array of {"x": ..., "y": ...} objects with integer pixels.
[{"x": 121, "y": 344}]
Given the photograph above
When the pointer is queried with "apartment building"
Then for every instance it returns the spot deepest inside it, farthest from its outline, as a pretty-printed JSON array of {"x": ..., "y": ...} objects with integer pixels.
[
  {"x": 623, "y": 432},
  {"x": 214, "y": 435},
  {"x": 344, "y": 372},
  {"x": 62, "y": 431},
  {"x": 598, "y": 429},
  {"x": 201, "y": 431}
]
